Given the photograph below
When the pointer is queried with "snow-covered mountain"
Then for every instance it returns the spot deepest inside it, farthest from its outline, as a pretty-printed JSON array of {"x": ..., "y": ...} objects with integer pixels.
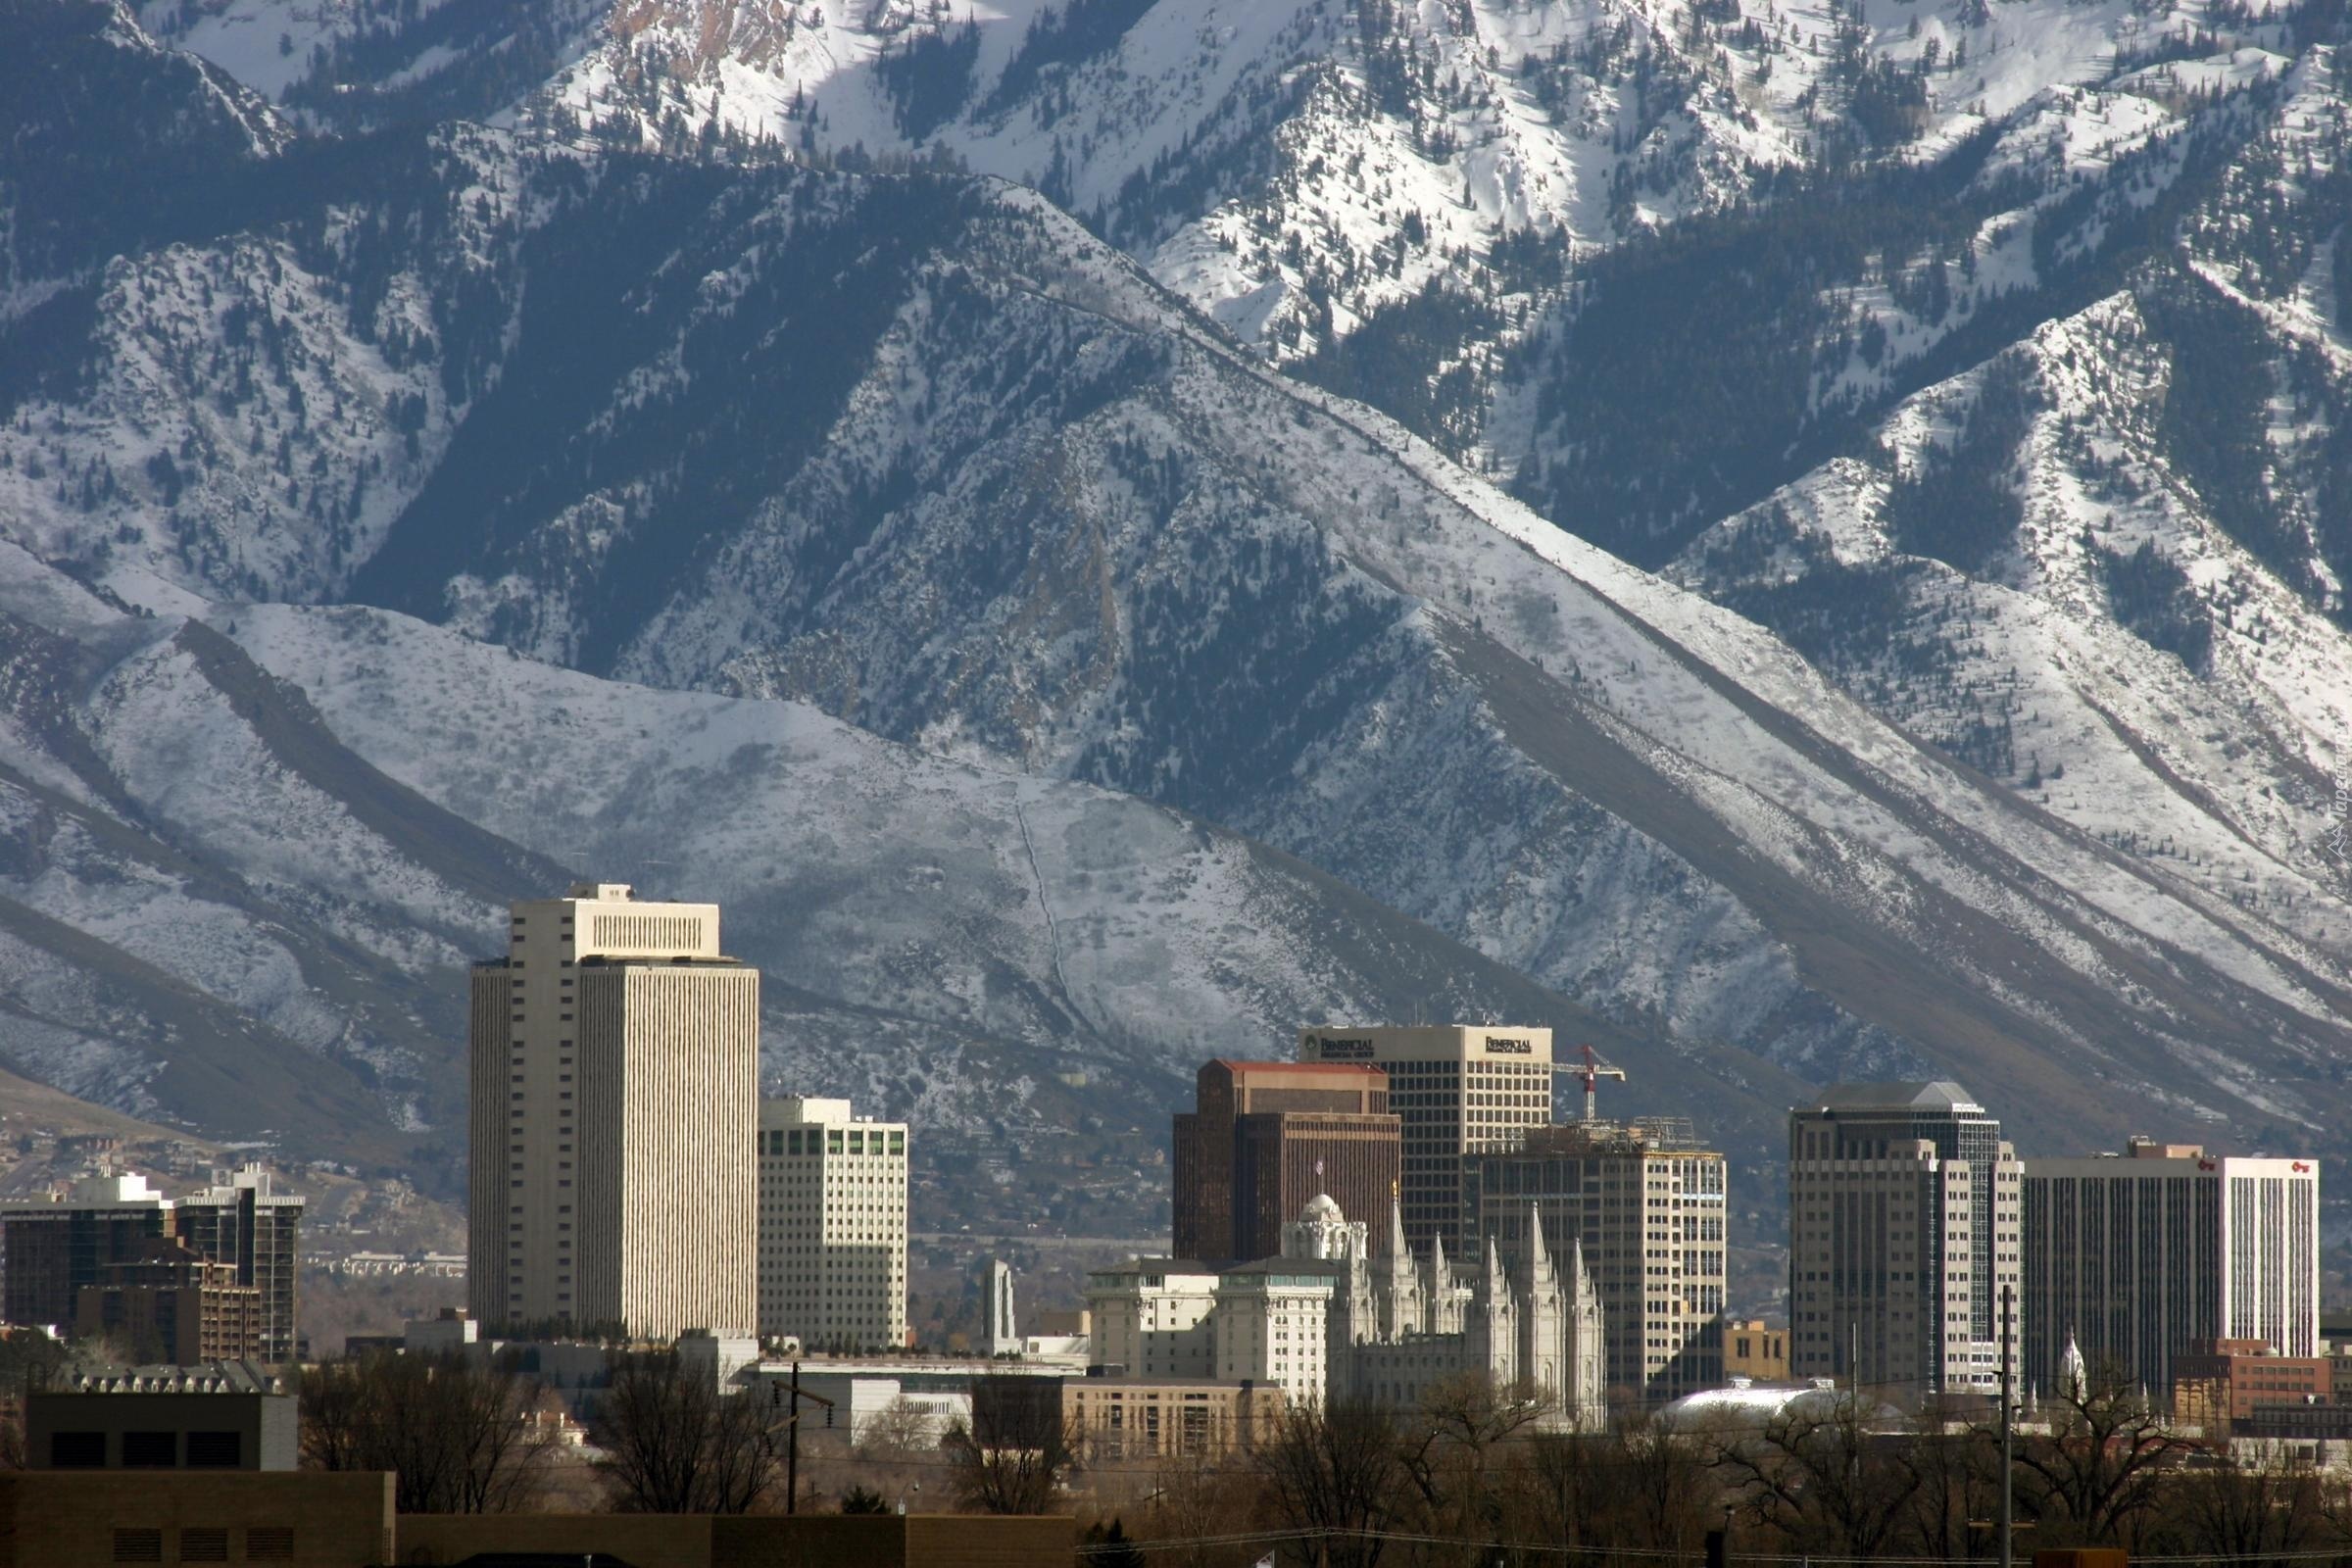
[
  {"x": 1983, "y": 716},
  {"x": 251, "y": 852}
]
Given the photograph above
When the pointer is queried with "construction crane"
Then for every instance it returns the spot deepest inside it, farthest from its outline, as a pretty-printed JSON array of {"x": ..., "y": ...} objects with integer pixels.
[{"x": 1591, "y": 1070}]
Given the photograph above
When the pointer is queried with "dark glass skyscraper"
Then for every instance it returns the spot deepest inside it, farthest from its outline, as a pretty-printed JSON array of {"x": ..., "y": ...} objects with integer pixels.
[{"x": 1266, "y": 1136}]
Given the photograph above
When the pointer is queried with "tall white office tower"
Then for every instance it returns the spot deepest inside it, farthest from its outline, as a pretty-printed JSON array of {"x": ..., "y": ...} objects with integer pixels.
[
  {"x": 832, "y": 1225},
  {"x": 1455, "y": 1089},
  {"x": 1904, "y": 1214},
  {"x": 615, "y": 1076},
  {"x": 2132, "y": 1260}
]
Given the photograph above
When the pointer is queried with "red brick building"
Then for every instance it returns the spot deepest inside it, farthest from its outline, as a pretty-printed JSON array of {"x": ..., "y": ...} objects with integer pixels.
[{"x": 2219, "y": 1381}]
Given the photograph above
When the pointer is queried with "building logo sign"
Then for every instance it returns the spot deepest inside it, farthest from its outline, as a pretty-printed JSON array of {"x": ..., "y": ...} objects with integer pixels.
[
  {"x": 1510, "y": 1047},
  {"x": 1327, "y": 1048}
]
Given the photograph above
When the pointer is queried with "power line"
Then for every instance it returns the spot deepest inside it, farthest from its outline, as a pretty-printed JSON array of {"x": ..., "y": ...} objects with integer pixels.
[{"x": 1656, "y": 1553}]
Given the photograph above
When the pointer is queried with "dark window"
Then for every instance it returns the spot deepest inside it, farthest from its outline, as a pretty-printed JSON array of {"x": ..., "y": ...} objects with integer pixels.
[
  {"x": 150, "y": 1450},
  {"x": 216, "y": 1450},
  {"x": 77, "y": 1451},
  {"x": 269, "y": 1544},
  {"x": 138, "y": 1545},
  {"x": 208, "y": 1544}
]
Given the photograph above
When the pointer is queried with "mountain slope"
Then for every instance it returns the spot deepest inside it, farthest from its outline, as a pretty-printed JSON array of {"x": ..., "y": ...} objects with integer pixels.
[
  {"x": 921, "y": 451},
  {"x": 2104, "y": 565},
  {"x": 244, "y": 904}
]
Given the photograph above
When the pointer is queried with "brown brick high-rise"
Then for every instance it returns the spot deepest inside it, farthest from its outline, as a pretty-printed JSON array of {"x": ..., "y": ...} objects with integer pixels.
[{"x": 1246, "y": 1156}]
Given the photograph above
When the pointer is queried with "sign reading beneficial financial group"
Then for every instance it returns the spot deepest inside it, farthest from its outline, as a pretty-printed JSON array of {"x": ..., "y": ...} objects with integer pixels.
[
  {"x": 1498, "y": 1045},
  {"x": 1330, "y": 1048}
]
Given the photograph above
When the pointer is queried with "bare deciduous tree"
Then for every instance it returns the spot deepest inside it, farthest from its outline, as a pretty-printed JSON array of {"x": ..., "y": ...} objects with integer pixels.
[
  {"x": 900, "y": 1426},
  {"x": 461, "y": 1434},
  {"x": 1013, "y": 1454},
  {"x": 1336, "y": 1475},
  {"x": 1820, "y": 1479},
  {"x": 1667, "y": 1488},
  {"x": 1959, "y": 1469},
  {"x": 675, "y": 1442},
  {"x": 2099, "y": 1467},
  {"x": 2241, "y": 1505},
  {"x": 1447, "y": 1441},
  {"x": 1196, "y": 1495}
]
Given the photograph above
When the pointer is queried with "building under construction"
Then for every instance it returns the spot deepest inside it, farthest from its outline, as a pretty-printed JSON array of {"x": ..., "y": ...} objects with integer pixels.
[{"x": 1646, "y": 1199}]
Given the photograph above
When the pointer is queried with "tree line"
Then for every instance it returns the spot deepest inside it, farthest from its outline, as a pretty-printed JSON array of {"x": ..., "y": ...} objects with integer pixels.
[{"x": 1469, "y": 1477}]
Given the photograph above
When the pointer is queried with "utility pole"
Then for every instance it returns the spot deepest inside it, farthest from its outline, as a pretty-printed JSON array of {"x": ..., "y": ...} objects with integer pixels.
[
  {"x": 2008, "y": 1407},
  {"x": 792, "y": 1449},
  {"x": 792, "y": 1436},
  {"x": 1853, "y": 1401}
]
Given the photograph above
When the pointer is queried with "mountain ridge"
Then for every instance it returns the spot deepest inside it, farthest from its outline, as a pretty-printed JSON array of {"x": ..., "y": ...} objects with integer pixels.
[{"x": 1047, "y": 537}]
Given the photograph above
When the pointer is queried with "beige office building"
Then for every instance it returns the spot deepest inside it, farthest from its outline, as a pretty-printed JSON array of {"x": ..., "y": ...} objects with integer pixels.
[
  {"x": 832, "y": 1225},
  {"x": 616, "y": 1072},
  {"x": 1114, "y": 1419},
  {"x": 1646, "y": 1202},
  {"x": 1905, "y": 1213},
  {"x": 1455, "y": 1089}
]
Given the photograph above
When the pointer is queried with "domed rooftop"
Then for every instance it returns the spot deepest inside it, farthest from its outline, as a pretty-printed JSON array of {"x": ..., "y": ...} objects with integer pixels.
[
  {"x": 1746, "y": 1405},
  {"x": 1321, "y": 1209}
]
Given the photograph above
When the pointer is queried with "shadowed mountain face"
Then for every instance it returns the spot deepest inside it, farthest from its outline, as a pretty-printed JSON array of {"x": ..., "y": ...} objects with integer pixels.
[{"x": 1053, "y": 694}]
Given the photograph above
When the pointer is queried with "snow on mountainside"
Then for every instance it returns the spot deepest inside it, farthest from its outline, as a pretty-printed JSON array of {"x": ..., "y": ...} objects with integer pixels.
[
  {"x": 1004, "y": 498},
  {"x": 2105, "y": 566},
  {"x": 1290, "y": 168},
  {"x": 2061, "y": 535},
  {"x": 252, "y": 853},
  {"x": 95, "y": 105}
]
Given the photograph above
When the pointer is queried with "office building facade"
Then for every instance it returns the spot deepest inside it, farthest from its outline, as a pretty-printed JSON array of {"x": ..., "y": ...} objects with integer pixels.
[
  {"x": 832, "y": 1225},
  {"x": 1755, "y": 1349},
  {"x": 1116, "y": 1419},
  {"x": 172, "y": 1305},
  {"x": 1646, "y": 1202},
  {"x": 1905, "y": 1212},
  {"x": 50, "y": 1249},
  {"x": 53, "y": 1251},
  {"x": 2138, "y": 1258},
  {"x": 1454, "y": 1089},
  {"x": 615, "y": 1061},
  {"x": 244, "y": 1222},
  {"x": 1150, "y": 1318},
  {"x": 1266, "y": 1136}
]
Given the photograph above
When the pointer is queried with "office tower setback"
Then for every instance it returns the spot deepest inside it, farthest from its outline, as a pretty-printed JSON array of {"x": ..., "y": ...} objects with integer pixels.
[
  {"x": 615, "y": 1061},
  {"x": 2140, "y": 1258},
  {"x": 244, "y": 1222},
  {"x": 1266, "y": 1136},
  {"x": 832, "y": 1225},
  {"x": 1454, "y": 1089},
  {"x": 1645, "y": 1201},
  {"x": 1904, "y": 1217},
  {"x": 170, "y": 1305}
]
